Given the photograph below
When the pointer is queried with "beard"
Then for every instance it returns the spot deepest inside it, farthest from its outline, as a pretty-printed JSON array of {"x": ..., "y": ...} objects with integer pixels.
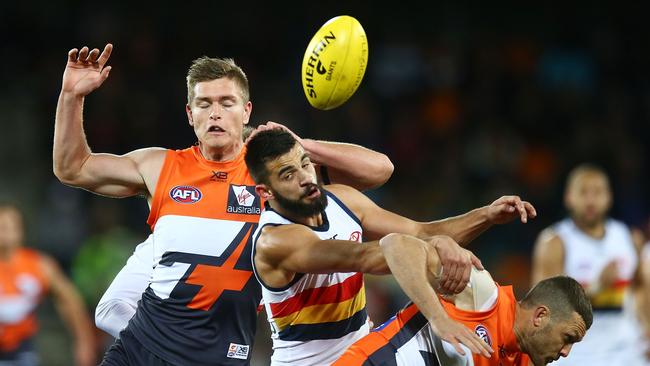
[{"x": 300, "y": 209}]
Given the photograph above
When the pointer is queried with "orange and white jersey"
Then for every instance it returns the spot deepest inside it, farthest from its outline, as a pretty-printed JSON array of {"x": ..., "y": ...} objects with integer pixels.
[
  {"x": 201, "y": 305},
  {"x": 408, "y": 340},
  {"x": 22, "y": 286},
  {"x": 585, "y": 258},
  {"x": 317, "y": 316}
]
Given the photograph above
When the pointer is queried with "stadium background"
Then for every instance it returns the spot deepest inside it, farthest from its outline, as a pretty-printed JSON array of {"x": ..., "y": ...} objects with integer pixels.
[{"x": 469, "y": 102}]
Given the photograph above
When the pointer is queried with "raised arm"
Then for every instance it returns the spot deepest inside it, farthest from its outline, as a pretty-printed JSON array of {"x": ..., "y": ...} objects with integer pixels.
[
  {"x": 282, "y": 251},
  {"x": 416, "y": 267},
  {"x": 73, "y": 313},
  {"x": 73, "y": 161},
  {"x": 348, "y": 164}
]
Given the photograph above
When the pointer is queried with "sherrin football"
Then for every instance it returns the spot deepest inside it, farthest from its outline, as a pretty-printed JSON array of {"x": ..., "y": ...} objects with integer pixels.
[{"x": 334, "y": 62}]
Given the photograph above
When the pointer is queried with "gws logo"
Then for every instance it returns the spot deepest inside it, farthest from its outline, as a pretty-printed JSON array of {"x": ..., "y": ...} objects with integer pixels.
[
  {"x": 243, "y": 200},
  {"x": 483, "y": 333},
  {"x": 185, "y": 194}
]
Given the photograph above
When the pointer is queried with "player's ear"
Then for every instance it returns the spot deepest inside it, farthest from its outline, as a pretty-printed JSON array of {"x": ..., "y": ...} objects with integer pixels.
[
  {"x": 248, "y": 108},
  {"x": 190, "y": 118},
  {"x": 541, "y": 316},
  {"x": 263, "y": 191}
]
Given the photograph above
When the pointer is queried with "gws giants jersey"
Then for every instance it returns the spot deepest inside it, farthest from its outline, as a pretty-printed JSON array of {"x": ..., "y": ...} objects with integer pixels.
[
  {"x": 22, "y": 286},
  {"x": 317, "y": 316},
  {"x": 201, "y": 306},
  {"x": 408, "y": 340}
]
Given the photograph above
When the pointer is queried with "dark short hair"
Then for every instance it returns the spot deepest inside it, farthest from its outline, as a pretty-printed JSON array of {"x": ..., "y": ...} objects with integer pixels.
[
  {"x": 266, "y": 146},
  {"x": 582, "y": 169},
  {"x": 563, "y": 295}
]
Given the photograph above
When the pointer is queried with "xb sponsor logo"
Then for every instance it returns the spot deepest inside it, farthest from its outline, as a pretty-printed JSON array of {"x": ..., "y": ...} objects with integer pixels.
[
  {"x": 243, "y": 200},
  {"x": 185, "y": 194}
]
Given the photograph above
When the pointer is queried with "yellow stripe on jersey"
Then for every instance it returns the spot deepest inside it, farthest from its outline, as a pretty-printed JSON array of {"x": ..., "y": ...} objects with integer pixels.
[{"x": 324, "y": 313}]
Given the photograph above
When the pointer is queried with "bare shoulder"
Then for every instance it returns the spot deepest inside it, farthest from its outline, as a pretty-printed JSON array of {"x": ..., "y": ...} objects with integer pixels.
[
  {"x": 148, "y": 155},
  {"x": 276, "y": 240},
  {"x": 638, "y": 238},
  {"x": 49, "y": 265},
  {"x": 350, "y": 196},
  {"x": 548, "y": 241}
]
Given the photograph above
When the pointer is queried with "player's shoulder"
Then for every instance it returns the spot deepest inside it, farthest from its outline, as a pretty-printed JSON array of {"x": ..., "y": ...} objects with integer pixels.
[
  {"x": 346, "y": 194},
  {"x": 274, "y": 239}
]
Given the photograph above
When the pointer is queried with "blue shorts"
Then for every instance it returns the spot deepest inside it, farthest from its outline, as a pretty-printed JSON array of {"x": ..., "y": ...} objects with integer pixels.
[
  {"x": 128, "y": 351},
  {"x": 24, "y": 355}
]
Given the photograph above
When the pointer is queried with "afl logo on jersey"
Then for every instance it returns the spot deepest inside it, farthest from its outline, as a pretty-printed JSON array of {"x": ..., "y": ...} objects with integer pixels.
[
  {"x": 185, "y": 194},
  {"x": 483, "y": 333}
]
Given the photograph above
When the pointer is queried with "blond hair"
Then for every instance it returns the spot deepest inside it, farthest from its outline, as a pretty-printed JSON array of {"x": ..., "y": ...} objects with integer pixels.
[{"x": 208, "y": 68}]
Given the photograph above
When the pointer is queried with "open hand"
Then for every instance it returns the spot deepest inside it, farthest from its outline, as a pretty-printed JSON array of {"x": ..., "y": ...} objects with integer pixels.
[
  {"x": 272, "y": 125},
  {"x": 86, "y": 70},
  {"x": 508, "y": 208},
  {"x": 456, "y": 333}
]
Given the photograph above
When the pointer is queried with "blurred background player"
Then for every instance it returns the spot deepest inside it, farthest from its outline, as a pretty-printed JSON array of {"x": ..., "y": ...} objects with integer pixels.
[
  {"x": 200, "y": 306},
  {"x": 26, "y": 276},
  {"x": 540, "y": 328},
  {"x": 603, "y": 255}
]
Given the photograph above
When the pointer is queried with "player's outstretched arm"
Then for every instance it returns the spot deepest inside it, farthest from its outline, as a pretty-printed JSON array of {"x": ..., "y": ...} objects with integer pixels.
[
  {"x": 282, "y": 251},
  {"x": 467, "y": 227},
  {"x": 120, "y": 301},
  {"x": 73, "y": 161},
  {"x": 348, "y": 164},
  {"x": 72, "y": 311},
  {"x": 416, "y": 267}
]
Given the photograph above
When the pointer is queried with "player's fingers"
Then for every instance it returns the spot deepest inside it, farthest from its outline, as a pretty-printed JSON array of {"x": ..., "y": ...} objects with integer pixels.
[
  {"x": 460, "y": 286},
  {"x": 477, "y": 262},
  {"x": 457, "y": 346},
  {"x": 104, "y": 73},
  {"x": 72, "y": 55},
  {"x": 106, "y": 53},
  {"x": 522, "y": 212},
  {"x": 447, "y": 285},
  {"x": 83, "y": 53},
  {"x": 92, "y": 56},
  {"x": 531, "y": 209}
]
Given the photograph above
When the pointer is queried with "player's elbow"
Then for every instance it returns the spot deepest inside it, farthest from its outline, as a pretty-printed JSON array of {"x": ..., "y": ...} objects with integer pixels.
[
  {"x": 113, "y": 315},
  {"x": 65, "y": 173},
  {"x": 382, "y": 172}
]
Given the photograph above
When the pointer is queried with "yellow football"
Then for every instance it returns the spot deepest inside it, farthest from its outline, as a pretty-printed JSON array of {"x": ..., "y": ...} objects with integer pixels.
[{"x": 334, "y": 62}]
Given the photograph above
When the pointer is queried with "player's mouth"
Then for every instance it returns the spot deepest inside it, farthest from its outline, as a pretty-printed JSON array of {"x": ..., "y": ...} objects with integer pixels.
[
  {"x": 216, "y": 130},
  {"x": 312, "y": 192}
]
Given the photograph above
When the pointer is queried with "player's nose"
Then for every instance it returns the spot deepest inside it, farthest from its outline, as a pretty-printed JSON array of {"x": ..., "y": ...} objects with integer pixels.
[{"x": 564, "y": 352}]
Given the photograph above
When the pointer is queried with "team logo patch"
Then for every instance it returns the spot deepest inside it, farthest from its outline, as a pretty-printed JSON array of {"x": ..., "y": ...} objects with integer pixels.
[
  {"x": 355, "y": 236},
  {"x": 483, "y": 333},
  {"x": 239, "y": 351},
  {"x": 185, "y": 194},
  {"x": 243, "y": 200}
]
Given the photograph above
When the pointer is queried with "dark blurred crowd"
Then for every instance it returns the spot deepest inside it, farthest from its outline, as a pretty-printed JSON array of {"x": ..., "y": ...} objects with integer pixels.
[{"x": 469, "y": 103}]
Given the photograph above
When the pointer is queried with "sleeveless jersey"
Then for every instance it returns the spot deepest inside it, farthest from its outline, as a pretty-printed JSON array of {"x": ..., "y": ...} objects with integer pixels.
[
  {"x": 585, "y": 258},
  {"x": 611, "y": 340},
  {"x": 201, "y": 305},
  {"x": 317, "y": 316},
  {"x": 22, "y": 286},
  {"x": 407, "y": 339}
]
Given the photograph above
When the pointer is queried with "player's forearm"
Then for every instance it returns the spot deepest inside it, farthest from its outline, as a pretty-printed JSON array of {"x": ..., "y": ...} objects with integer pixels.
[
  {"x": 463, "y": 228},
  {"x": 70, "y": 147},
  {"x": 350, "y": 164},
  {"x": 75, "y": 316},
  {"x": 412, "y": 262}
]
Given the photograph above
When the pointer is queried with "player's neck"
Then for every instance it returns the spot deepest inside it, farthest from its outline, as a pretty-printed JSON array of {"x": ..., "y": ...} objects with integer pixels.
[
  {"x": 595, "y": 230},
  {"x": 518, "y": 328},
  {"x": 221, "y": 154}
]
